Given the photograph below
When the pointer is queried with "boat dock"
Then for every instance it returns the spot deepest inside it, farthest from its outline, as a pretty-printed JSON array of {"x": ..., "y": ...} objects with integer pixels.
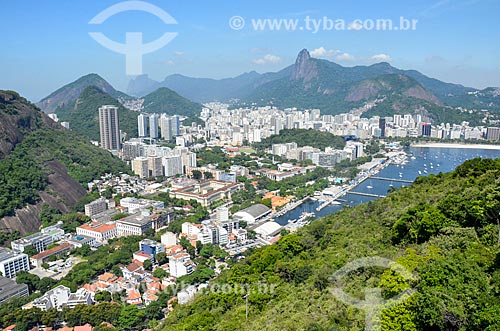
[{"x": 393, "y": 179}]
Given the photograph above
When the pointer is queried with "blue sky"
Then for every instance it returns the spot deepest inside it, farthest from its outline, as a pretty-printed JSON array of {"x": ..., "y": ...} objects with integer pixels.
[{"x": 46, "y": 44}]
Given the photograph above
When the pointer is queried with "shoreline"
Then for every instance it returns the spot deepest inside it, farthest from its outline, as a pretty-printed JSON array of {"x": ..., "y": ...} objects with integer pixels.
[{"x": 460, "y": 146}]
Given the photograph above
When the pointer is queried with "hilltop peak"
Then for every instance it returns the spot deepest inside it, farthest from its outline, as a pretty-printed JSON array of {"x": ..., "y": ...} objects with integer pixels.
[
  {"x": 304, "y": 55},
  {"x": 70, "y": 92},
  {"x": 304, "y": 69}
]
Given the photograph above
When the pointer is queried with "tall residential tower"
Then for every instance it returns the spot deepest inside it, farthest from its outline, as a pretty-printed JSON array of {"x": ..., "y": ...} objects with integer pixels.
[{"x": 109, "y": 127}]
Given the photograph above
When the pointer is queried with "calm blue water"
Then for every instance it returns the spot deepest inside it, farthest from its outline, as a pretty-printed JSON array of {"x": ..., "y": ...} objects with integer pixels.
[{"x": 427, "y": 161}]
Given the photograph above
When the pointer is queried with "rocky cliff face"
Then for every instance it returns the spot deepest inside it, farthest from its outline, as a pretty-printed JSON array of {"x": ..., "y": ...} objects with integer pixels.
[
  {"x": 31, "y": 135},
  {"x": 305, "y": 68},
  {"x": 64, "y": 193}
]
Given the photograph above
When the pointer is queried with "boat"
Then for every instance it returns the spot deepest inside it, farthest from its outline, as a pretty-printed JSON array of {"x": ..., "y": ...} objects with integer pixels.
[
  {"x": 419, "y": 172},
  {"x": 369, "y": 186},
  {"x": 425, "y": 171}
]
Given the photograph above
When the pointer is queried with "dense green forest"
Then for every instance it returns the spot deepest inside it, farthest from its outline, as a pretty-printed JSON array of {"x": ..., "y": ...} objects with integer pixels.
[
  {"x": 443, "y": 228},
  {"x": 303, "y": 137}
]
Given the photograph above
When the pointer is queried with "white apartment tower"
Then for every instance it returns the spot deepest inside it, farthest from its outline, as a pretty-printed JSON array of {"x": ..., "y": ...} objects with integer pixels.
[
  {"x": 153, "y": 126},
  {"x": 109, "y": 127},
  {"x": 143, "y": 125}
]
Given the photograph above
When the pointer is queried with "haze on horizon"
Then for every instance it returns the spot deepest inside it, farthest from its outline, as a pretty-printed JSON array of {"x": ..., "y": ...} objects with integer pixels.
[{"x": 47, "y": 45}]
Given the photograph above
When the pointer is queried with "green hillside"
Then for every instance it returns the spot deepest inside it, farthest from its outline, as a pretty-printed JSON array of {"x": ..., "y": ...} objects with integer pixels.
[
  {"x": 24, "y": 171},
  {"x": 67, "y": 94},
  {"x": 83, "y": 114},
  {"x": 444, "y": 229},
  {"x": 303, "y": 137},
  {"x": 164, "y": 100}
]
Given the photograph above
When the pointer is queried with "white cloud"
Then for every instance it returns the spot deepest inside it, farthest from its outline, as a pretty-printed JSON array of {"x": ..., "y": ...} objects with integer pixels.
[
  {"x": 269, "y": 58},
  {"x": 323, "y": 52},
  {"x": 170, "y": 62},
  {"x": 331, "y": 54},
  {"x": 179, "y": 53},
  {"x": 355, "y": 26},
  {"x": 345, "y": 57},
  {"x": 381, "y": 58}
]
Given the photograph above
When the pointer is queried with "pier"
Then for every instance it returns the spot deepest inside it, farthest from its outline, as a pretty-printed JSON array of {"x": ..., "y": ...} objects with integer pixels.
[
  {"x": 367, "y": 194},
  {"x": 393, "y": 179}
]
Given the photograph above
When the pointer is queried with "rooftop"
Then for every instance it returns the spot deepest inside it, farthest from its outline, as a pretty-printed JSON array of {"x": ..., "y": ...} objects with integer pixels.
[
  {"x": 6, "y": 254},
  {"x": 32, "y": 237},
  {"x": 52, "y": 251},
  {"x": 136, "y": 219},
  {"x": 98, "y": 227},
  {"x": 9, "y": 287},
  {"x": 256, "y": 210}
]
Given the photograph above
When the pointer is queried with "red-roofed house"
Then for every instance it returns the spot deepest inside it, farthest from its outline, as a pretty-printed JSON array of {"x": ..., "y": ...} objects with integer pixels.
[
  {"x": 130, "y": 270},
  {"x": 143, "y": 257},
  {"x": 174, "y": 250},
  {"x": 86, "y": 327},
  {"x": 134, "y": 297}
]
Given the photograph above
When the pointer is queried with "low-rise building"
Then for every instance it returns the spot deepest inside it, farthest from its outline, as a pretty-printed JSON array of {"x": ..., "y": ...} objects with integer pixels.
[
  {"x": 252, "y": 214},
  {"x": 40, "y": 258},
  {"x": 101, "y": 232},
  {"x": 61, "y": 296},
  {"x": 180, "y": 265},
  {"x": 208, "y": 191},
  {"x": 139, "y": 223},
  {"x": 96, "y": 207},
  {"x": 81, "y": 297},
  {"x": 55, "y": 298},
  {"x": 169, "y": 239},
  {"x": 134, "y": 205},
  {"x": 79, "y": 241},
  {"x": 9, "y": 289},
  {"x": 268, "y": 229},
  {"x": 38, "y": 240},
  {"x": 151, "y": 247},
  {"x": 187, "y": 295}
]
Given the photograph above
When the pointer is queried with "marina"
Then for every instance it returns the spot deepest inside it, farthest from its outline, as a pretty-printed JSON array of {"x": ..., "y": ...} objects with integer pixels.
[{"x": 420, "y": 161}]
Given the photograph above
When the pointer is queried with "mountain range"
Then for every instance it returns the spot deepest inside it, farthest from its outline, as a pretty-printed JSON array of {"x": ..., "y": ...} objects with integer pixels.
[
  {"x": 318, "y": 83},
  {"x": 78, "y": 103},
  {"x": 378, "y": 89},
  {"x": 42, "y": 163}
]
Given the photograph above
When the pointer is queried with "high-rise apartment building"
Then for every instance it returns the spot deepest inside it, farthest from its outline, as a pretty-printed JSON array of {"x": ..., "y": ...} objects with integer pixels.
[
  {"x": 153, "y": 126},
  {"x": 143, "y": 125},
  {"x": 493, "y": 134},
  {"x": 109, "y": 127}
]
